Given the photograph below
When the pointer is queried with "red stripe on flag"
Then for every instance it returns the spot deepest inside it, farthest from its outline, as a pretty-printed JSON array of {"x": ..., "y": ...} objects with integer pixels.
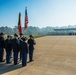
[
  {"x": 19, "y": 29},
  {"x": 26, "y": 19},
  {"x": 19, "y": 25}
]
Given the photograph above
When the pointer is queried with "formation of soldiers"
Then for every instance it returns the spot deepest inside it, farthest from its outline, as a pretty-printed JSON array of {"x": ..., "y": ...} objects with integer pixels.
[{"x": 17, "y": 45}]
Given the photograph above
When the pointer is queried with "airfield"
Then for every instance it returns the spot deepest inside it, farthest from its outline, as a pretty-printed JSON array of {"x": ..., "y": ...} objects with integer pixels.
[{"x": 53, "y": 55}]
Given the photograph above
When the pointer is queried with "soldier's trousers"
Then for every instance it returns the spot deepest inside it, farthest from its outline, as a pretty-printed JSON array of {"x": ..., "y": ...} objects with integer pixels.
[
  {"x": 20, "y": 56},
  {"x": 31, "y": 55},
  {"x": 1, "y": 54},
  {"x": 8, "y": 57},
  {"x": 24, "y": 59},
  {"x": 15, "y": 58}
]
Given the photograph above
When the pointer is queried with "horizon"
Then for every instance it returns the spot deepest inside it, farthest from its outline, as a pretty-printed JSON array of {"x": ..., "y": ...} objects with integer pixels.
[
  {"x": 41, "y": 13},
  {"x": 68, "y": 26}
]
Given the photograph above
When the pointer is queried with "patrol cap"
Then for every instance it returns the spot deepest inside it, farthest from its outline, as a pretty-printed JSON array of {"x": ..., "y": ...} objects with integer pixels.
[
  {"x": 1, "y": 33},
  {"x": 30, "y": 36},
  {"x": 15, "y": 34},
  {"x": 8, "y": 36},
  {"x": 21, "y": 34}
]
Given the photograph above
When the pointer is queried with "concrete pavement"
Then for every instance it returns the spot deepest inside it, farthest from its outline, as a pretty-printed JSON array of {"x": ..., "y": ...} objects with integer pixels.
[{"x": 53, "y": 55}]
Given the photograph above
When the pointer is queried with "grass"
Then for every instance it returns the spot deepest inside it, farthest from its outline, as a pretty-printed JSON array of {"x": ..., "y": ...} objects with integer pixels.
[{"x": 35, "y": 36}]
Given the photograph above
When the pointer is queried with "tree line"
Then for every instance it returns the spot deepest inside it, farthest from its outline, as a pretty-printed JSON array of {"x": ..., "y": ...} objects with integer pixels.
[
  {"x": 39, "y": 31},
  {"x": 30, "y": 30}
]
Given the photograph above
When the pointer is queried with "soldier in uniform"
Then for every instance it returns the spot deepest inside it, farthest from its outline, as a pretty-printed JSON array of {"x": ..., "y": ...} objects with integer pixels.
[
  {"x": 16, "y": 48},
  {"x": 31, "y": 43},
  {"x": 8, "y": 47},
  {"x": 11, "y": 38},
  {"x": 21, "y": 36},
  {"x": 1, "y": 47},
  {"x": 24, "y": 51}
]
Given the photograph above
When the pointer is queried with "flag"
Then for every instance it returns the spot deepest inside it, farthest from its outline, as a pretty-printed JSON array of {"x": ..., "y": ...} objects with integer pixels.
[
  {"x": 26, "y": 19},
  {"x": 19, "y": 24}
]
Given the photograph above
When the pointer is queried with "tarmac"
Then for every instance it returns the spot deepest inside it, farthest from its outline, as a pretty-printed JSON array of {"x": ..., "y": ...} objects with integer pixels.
[{"x": 53, "y": 55}]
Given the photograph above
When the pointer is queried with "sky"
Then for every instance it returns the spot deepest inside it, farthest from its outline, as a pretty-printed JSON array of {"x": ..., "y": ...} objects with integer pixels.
[{"x": 41, "y": 13}]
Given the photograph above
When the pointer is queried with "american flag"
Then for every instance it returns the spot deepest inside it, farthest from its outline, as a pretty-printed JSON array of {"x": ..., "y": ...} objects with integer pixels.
[
  {"x": 19, "y": 24},
  {"x": 26, "y": 19}
]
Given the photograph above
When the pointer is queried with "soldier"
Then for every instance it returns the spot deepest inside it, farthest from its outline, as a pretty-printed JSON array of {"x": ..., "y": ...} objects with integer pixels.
[
  {"x": 16, "y": 48},
  {"x": 1, "y": 47},
  {"x": 8, "y": 47},
  {"x": 21, "y": 36},
  {"x": 11, "y": 38},
  {"x": 24, "y": 51},
  {"x": 31, "y": 43}
]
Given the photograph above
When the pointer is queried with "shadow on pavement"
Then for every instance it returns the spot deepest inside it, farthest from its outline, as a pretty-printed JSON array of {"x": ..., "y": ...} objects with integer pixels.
[{"x": 4, "y": 68}]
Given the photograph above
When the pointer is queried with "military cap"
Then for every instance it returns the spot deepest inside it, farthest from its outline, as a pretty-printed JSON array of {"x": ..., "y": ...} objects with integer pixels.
[
  {"x": 8, "y": 36},
  {"x": 21, "y": 34},
  {"x": 1, "y": 33},
  {"x": 30, "y": 36},
  {"x": 15, "y": 34}
]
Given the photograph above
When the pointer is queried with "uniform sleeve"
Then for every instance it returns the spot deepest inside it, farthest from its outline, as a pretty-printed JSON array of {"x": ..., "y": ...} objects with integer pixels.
[
  {"x": 3, "y": 43},
  {"x": 27, "y": 48},
  {"x": 34, "y": 42},
  {"x": 18, "y": 44},
  {"x": 28, "y": 41}
]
